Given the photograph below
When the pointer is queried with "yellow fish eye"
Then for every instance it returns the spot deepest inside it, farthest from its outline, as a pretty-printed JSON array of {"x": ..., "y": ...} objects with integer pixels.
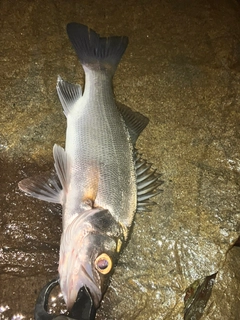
[{"x": 103, "y": 263}]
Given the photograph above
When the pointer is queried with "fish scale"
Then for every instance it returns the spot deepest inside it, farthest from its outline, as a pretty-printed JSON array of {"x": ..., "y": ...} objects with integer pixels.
[{"x": 97, "y": 140}]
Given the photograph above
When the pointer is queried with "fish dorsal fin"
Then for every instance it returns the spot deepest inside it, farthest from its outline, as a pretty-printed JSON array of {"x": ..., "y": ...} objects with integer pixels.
[
  {"x": 46, "y": 188},
  {"x": 148, "y": 182},
  {"x": 135, "y": 121},
  {"x": 95, "y": 52},
  {"x": 68, "y": 94},
  {"x": 61, "y": 164}
]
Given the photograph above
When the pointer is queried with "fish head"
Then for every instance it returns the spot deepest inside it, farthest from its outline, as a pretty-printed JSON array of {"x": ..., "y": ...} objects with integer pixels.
[{"x": 90, "y": 247}]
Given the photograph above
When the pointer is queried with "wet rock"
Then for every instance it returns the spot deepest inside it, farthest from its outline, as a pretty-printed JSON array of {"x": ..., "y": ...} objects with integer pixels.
[
  {"x": 224, "y": 301},
  {"x": 181, "y": 69}
]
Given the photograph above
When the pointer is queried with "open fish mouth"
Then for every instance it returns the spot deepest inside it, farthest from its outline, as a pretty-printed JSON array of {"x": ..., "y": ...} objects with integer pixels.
[
  {"x": 83, "y": 308},
  {"x": 72, "y": 286}
]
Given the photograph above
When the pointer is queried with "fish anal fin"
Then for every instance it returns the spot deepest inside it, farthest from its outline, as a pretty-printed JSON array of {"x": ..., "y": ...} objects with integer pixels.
[
  {"x": 135, "y": 121},
  {"x": 43, "y": 188},
  {"x": 68, "y": 94}
]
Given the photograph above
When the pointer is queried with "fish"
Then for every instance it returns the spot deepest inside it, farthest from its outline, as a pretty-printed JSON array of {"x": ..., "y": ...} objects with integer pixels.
[{"x": 101, "y": 180}]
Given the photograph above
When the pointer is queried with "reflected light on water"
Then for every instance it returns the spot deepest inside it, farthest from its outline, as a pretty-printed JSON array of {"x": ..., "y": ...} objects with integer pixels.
[
  {"x": 56, "y": 305},
  {"x": 2, "y": 309},
  {"x": 17, "y": 316}
]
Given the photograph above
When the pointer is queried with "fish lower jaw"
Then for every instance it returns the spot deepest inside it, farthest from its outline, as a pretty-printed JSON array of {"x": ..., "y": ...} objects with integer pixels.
[{"x": 71, "y": 296}]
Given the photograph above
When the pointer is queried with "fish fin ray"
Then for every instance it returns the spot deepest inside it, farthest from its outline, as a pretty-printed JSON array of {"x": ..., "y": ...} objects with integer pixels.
[
  {"x": 95, "y": 52},
  {"x": 135, "y": 121},
  {"x": 42, "y": 188},
  {"x": 61, "y": 164},
  {"x": 68, "y": 94},
  {"x": 148, "y": 183}
]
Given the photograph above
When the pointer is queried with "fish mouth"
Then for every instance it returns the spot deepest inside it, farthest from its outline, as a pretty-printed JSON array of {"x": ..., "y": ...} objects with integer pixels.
[
  {"x": 75, "y": 282},
  {"x": 82, "y": 309},
  {"x": 83, "y": 306}
]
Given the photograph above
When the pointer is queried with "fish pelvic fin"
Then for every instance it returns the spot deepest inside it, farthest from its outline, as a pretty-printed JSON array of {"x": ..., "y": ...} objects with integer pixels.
[
  {"x": 68, "y": 94},
  {"x": 61, "y": 164},
  {"x": 148, "y": 183},
  {"x": 135, "y": 121},
  {"x": 43, "y": 188},
  {"x": 95, "y": 52}
]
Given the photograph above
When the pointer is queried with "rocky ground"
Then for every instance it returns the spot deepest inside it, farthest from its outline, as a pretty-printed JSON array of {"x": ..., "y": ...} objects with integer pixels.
[{"x": 182, "y": 70}]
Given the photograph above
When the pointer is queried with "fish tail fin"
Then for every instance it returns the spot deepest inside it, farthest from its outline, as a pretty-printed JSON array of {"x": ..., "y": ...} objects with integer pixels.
[{"x": 95, "y": 52}]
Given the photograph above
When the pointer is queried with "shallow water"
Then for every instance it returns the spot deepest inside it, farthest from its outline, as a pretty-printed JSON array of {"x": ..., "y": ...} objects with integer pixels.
[{"x": 29, "y": 237}]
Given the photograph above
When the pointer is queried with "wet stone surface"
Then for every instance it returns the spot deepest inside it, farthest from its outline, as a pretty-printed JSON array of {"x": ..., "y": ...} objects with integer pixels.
[
  {"x": 228, "y": 277},
  {"x": 181, "y": 69}
]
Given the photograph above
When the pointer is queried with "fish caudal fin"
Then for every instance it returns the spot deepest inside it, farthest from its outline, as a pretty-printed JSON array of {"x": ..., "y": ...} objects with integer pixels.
[
  {"x": 95, "y": 52},
  {"x": 68, "y": 94},
  {"x": 148, "y": 182}
]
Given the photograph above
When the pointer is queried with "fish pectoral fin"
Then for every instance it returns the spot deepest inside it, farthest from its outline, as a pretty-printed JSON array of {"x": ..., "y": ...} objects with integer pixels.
[
  {"x": 43, "y": 188},
  {"x": 61, "y": 164},
  {"x": 68, "y": 94},
  {"x": 135, "y": 121}
]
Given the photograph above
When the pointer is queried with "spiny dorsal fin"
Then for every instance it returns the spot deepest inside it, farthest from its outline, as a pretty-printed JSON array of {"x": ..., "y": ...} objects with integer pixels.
[
  {"x": 148, "y": 182},
  {"x": 68, "y": 94},
  {"x": 46, "y": 188},
  {"x": 94, "y": 52},
  {"x": 135, "y": 121}
]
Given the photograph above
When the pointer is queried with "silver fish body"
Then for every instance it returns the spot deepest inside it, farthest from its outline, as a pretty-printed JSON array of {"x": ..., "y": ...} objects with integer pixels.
[
  {"x": 98, "y": 147},
  {"x": 103, "y": 179}
]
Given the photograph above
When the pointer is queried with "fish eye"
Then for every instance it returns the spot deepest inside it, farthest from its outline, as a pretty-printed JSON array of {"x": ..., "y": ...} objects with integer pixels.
[{"x": 103, "y": 263}]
